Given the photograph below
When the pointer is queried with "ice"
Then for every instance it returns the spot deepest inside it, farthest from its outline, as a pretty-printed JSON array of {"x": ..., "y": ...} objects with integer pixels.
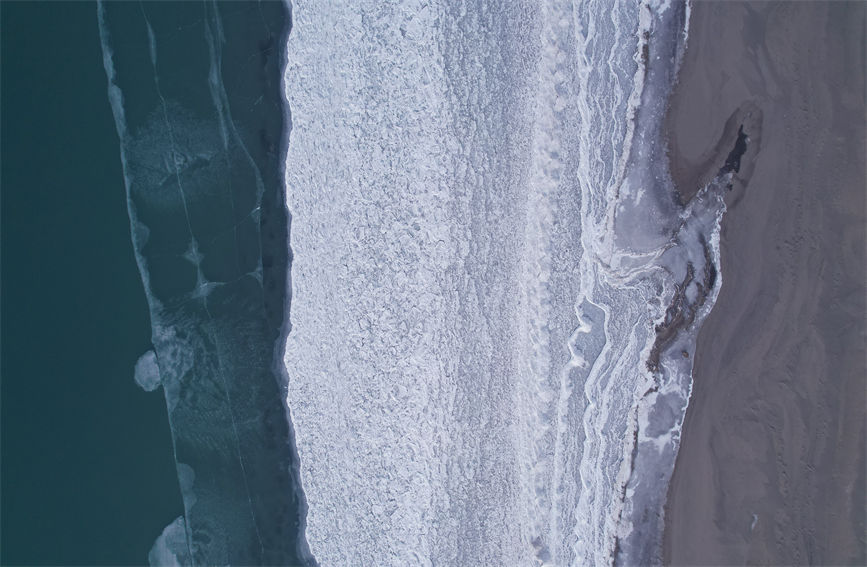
[
  {"x": 171, "y": 548},
  {"x": 485, "y": 241},
  {"x": 196, "y": 196},
  {"x": 147, "y": 372}
]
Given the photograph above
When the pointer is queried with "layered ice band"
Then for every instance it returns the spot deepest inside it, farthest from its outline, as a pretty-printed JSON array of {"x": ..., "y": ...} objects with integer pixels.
[{"x": 495, "y": 288}]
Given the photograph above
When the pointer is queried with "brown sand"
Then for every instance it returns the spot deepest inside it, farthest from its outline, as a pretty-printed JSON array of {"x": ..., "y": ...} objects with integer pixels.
[{"x": 771, "y": 468}]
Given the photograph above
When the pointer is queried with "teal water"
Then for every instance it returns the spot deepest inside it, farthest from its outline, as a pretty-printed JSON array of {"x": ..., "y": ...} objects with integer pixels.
[
  {"x": 87, "y": 469},
  {"x": 90, "y": 462}
]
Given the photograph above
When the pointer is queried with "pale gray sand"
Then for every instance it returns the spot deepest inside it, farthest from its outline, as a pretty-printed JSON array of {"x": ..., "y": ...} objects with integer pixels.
[{"x": 771, "y": 468}]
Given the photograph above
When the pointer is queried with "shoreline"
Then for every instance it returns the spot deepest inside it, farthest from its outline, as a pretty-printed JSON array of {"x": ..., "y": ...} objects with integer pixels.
[{"x": 771, "y": 458}]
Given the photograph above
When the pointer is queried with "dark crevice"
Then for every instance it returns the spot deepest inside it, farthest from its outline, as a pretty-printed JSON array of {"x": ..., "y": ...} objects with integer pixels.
[
  {"x": 681, "y": 312},
  {"x": 733, "y": 161}
]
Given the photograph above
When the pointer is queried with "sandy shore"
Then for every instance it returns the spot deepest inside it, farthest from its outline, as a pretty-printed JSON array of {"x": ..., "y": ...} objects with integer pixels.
[{"x": 771, "y": 468}]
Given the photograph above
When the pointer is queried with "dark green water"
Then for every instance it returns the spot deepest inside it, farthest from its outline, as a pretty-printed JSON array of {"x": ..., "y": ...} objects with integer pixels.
[{"x": 87, "y": 469}]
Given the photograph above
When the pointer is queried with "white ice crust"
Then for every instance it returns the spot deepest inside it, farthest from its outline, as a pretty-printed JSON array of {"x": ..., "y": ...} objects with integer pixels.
[
  {"x": 147, "y": 372},
  {"x": 468, "y": 337},
  {"x": 170, "y": 549}
]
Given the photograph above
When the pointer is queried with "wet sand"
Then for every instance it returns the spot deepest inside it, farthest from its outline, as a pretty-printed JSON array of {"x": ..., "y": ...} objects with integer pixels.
[{"x": 771, "y": 468}]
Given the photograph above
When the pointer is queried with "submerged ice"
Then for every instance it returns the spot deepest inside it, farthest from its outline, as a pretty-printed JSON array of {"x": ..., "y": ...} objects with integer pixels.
[
  {"x": 495, "y": 288},
  {"x": 203, "y": 193},
  {"x": 171, "y": 548},
  {"x": 147, "y": 372}
]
